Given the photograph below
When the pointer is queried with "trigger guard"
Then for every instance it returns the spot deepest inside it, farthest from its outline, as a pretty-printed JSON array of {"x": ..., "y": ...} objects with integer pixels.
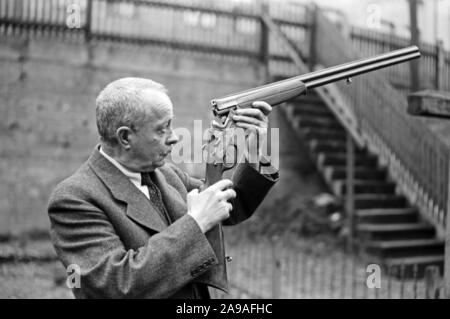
[{"x": 226, "y": 166}]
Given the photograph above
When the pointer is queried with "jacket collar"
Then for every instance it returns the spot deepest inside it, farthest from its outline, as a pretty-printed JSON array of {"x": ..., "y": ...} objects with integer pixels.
[{"x": 139, "y": 208}]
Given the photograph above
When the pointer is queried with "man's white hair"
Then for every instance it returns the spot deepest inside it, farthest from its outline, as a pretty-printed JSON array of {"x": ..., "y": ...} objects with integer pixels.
[{"x": 120, "y": 103}]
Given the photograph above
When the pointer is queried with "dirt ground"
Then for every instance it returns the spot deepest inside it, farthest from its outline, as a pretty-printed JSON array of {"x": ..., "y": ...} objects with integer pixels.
[
  {"x": 307, "y": 262},
  {"x": 309, "y": 268}
]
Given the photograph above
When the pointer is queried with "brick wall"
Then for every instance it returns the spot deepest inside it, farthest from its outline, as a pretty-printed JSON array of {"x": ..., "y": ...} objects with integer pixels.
[{"x": 47, "y": 94}]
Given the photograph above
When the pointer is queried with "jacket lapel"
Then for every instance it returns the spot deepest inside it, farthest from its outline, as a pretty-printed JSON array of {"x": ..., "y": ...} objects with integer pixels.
[{"x": 139, "y": 207}]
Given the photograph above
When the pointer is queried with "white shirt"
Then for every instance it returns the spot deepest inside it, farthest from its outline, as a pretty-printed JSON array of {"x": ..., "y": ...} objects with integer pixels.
[{"x": 135, "y": 178}]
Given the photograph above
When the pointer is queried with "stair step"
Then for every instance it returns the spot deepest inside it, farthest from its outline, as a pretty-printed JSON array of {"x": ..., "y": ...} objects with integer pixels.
[
  {"x": 406, "y": 248},
  {"x": 392, "y": 215},
  {"x": 404, "y": 266},
  {"x": 362, "y": 201},
  {"x": 318, "y": 122},
  {"x": 341, "y": 158},
  {"x": 310, "y": 99},
  {"x": 312, "y": 109},
  {"x": 330, "y": 146},
  {"x": 360, "y": 172},
  {"x": 364, "y": 187},
  {"x": 398, "y": 231},
  {"x": 324, "y": 134}
]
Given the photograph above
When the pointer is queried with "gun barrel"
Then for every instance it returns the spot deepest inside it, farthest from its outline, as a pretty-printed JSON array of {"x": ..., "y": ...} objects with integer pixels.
[
  {"x": 350, "y": 69},
  {"x": 283, "y": 90},
  {"x": 356, "y": 70}
]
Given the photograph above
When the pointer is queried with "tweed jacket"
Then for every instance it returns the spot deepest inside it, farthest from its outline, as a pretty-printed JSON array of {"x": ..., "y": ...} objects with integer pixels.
[{"x": 124, "y": 248}]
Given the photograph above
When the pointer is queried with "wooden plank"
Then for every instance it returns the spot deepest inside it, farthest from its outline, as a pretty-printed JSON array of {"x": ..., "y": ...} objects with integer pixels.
[
  {"x": 429, "y": 103},
  {"x": 440, "y": 66}
]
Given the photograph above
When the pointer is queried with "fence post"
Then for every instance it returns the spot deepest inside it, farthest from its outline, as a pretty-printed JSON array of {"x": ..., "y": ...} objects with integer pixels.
[
  {"x": 447, "y": 240},
  {"x": 276, "y": 271},
  {"x": 349, "y": 198},
  {"x": 414, "y": 65},
  {"x": 88, "y": 24},
  {"x": 440, "y": 66},
  {"x": 312, "y": 39},
  {"x": 431, "y": 282},
  {"x": 264, "y": 42}
]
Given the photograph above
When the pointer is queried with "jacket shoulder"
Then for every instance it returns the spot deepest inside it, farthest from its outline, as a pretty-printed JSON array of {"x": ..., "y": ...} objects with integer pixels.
[{"x": 80, "y": 184}]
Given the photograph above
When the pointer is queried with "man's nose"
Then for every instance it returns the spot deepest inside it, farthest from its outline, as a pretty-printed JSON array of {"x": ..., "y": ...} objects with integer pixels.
[{"x": 173, "y": 138}]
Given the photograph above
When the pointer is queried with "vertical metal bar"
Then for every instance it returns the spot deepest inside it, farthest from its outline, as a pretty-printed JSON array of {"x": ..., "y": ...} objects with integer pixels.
[
  {"x": 343, "y": 275},
  {"x": 402, "y": 281},
  {"x": 415, "y": 272},
  {"x": 447, "y": 236},
  {"x": 313, "y": 277},
  {"x": 295, "y": 274},
  {"x": 414, "y": 65},
  {"x": 264, "y": 43},
  {"x": 364, "y": 290},
  {"x": 312, "y": 26},
  {"x": 332, "y": 269},
  {"x": 390, "y": 277},
  {"x": 310, "y": 290},
  {"x": 303, "y": 273},
  {"x": 354, "y": 276},
  {"x": 350, "y": 161},
  {"x": 431, "y": 281},
  {"x": 276, "y": 270},
  {"x": 88, "y": 24}
]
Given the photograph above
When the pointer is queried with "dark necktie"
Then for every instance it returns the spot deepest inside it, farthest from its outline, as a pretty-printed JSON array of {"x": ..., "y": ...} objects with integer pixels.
[{"x": 155, "y": 194}]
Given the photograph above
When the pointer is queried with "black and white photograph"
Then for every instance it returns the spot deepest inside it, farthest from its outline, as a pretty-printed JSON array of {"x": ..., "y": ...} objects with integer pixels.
[{"x": 242, "y": 151}]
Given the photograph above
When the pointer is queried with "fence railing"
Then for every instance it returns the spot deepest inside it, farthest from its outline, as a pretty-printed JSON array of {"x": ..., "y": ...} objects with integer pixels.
[
  {"x": 268, "y": 268},
  {"x": 434, "y": 63},
  {"x": 220, "y": 27}
]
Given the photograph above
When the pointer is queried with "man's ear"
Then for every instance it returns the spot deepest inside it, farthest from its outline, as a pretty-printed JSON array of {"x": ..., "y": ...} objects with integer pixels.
[{"x": 123, "y": 135}]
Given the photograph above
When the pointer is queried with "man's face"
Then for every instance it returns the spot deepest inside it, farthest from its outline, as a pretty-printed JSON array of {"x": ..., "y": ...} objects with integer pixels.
[{"x": 153, "y": 141}]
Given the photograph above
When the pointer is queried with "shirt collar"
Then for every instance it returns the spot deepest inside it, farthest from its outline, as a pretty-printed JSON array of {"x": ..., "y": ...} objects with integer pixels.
[{"x": 133, "y": 176}]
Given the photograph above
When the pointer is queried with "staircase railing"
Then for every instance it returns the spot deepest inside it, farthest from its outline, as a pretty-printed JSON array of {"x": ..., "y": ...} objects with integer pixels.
[{"x": 416, "y": 158}]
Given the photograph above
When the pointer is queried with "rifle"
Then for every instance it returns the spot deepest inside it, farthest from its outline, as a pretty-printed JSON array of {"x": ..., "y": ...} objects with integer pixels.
[{"x": 279, "y": 92}]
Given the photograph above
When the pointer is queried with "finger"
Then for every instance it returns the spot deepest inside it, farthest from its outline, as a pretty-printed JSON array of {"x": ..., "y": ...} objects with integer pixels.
[
  {"x": 227, "y": 206},
  {"x": 249, "y": 120},
  {"x": 221, "y": 185},
  {"x": 251, "y": 112},
  {"x": 249, "y": 127},
  {"x": 265, "y": 107},
  {"x": 227, "y": 194}
]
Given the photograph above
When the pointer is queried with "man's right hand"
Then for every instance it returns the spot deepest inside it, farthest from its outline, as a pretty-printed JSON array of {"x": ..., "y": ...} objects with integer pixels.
[{"x": 211, "y": 206}]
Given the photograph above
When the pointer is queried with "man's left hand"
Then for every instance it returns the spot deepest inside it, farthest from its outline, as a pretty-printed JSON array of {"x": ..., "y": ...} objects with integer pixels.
[
  {"x": 254, "y": 119},
  {"x": 255, "y": 123}
]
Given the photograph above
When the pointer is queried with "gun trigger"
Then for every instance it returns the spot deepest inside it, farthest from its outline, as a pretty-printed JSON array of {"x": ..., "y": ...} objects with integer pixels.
[{"x": 348, "y": 81}]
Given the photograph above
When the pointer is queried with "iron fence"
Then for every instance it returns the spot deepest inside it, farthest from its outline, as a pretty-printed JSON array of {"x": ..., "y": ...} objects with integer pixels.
[
  {"x": 266, "y": 268},
  {"x": 220, "y": 27}
]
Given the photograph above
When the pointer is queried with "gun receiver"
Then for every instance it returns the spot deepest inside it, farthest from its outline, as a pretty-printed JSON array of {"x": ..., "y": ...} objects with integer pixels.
[{"x": 282, "y": 91}]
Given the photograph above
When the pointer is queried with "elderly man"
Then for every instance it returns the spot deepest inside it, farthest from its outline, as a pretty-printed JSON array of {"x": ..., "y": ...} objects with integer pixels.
[{"x": 136, "y": 226}]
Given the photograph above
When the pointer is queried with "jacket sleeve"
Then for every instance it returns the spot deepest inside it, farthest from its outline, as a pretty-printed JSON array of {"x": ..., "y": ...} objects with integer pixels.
[
  {"x": 82, "y": 235},
  {"x": 251, "y": 188}
]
